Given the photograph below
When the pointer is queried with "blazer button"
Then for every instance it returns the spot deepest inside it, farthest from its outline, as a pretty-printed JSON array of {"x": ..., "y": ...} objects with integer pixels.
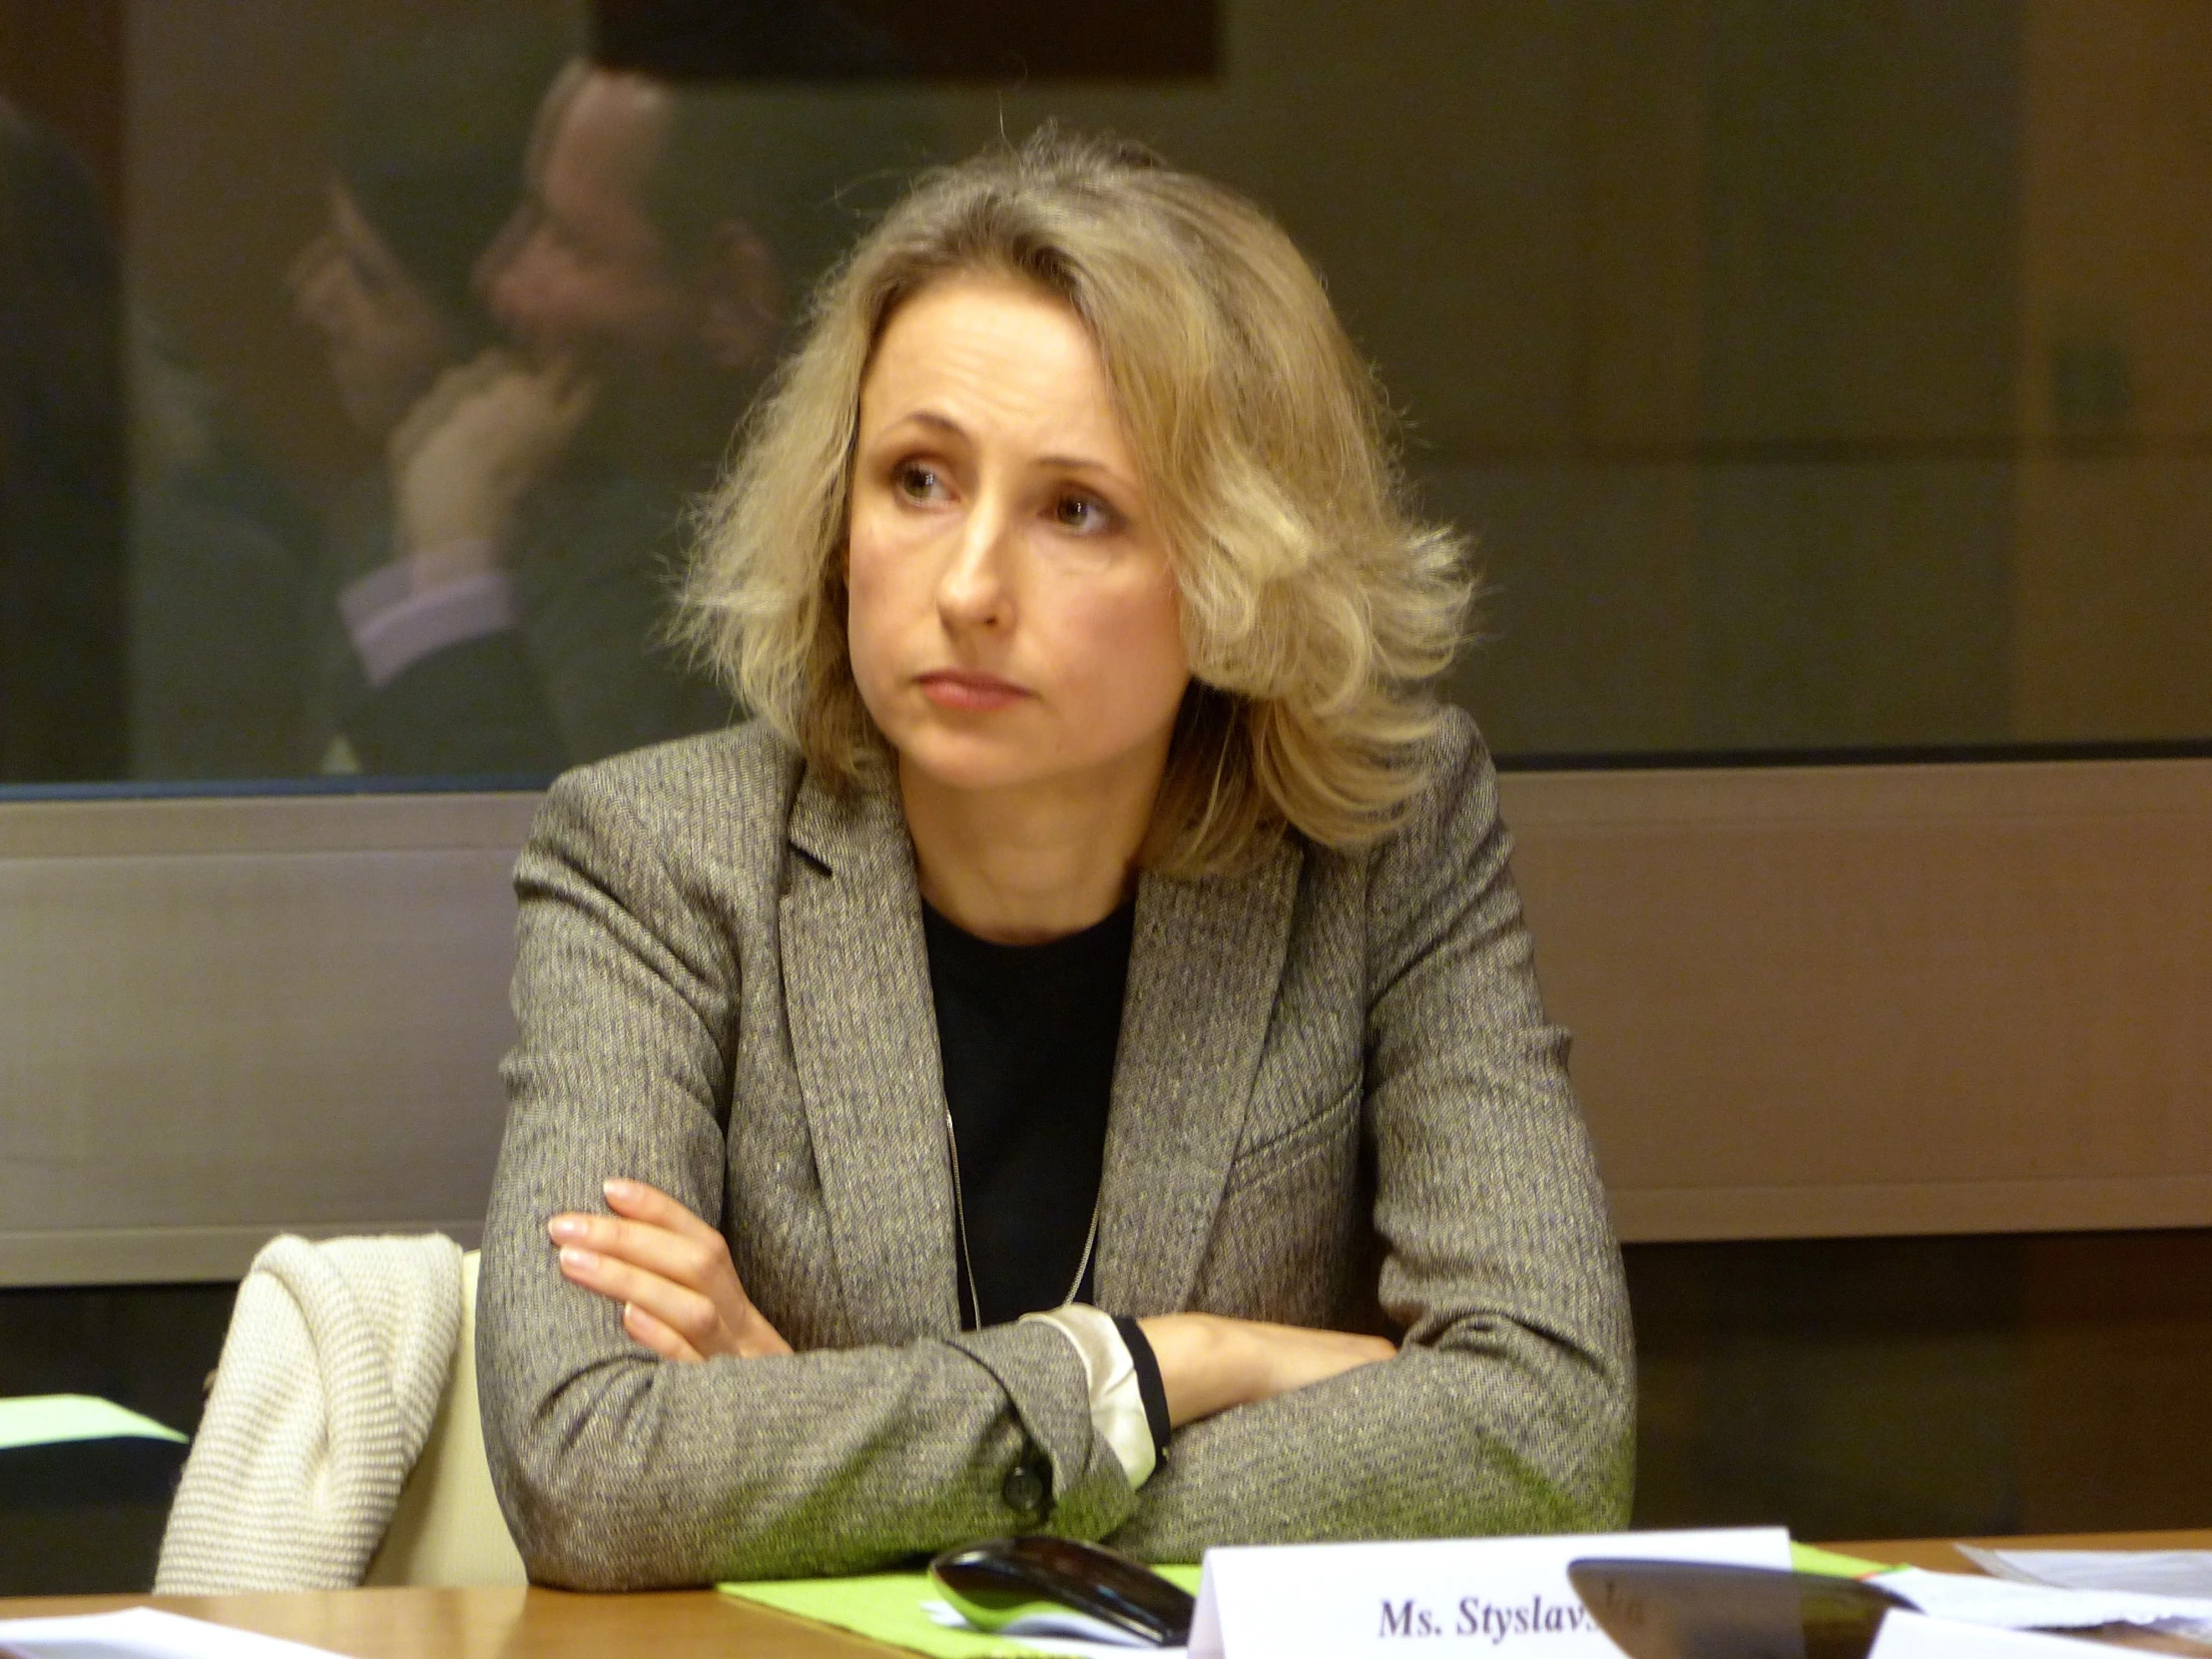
[{"x": 1024, "y": 1490}]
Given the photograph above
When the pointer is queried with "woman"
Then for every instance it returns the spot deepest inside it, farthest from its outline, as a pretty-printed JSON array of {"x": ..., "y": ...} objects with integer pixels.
[{"x": 1096, "y": 914}]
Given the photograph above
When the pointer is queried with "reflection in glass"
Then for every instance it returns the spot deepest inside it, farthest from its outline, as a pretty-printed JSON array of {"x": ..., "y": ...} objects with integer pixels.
[
  {"x": 1812, "y": 377},
  {"x": 61, "y": 465},
  {"x": 416, "y": 663}
]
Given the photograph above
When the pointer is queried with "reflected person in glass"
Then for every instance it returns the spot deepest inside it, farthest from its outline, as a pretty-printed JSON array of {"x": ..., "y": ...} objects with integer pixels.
[
  {"x": 417, "y": 667},
  {"x": 63, "y": 467},
  {"x": 641, "y": 287},
  {"x": 149, "y": 600},
  {"x": 1073, "y": 1062}
]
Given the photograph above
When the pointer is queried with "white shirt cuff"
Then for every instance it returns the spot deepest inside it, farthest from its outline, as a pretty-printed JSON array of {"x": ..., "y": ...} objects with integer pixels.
[
  {"x": 1117, "y": 1404},
  {"x": 395, "y": 621}
]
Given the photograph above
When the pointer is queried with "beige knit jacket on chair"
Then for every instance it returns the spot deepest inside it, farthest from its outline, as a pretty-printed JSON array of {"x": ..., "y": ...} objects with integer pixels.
[{"x": 341, "y": 1443}]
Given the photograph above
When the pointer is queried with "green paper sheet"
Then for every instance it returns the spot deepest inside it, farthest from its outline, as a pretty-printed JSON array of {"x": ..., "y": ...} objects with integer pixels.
[
  {"x": 886, "y": 1607},
  {"x": 1827, "y": 1563},
  {"x": 47, "y": 1419}
]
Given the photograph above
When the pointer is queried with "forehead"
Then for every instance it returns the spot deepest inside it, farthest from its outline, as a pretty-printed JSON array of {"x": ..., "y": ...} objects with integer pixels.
[
  {"x": 985, "y": 345},
  {"x": 603, "y": 132}
]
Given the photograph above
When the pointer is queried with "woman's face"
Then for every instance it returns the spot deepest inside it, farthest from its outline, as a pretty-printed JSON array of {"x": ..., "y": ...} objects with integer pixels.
[
  {"x": 1013, "y": 619},
  {"x": 386, "y": 337}
]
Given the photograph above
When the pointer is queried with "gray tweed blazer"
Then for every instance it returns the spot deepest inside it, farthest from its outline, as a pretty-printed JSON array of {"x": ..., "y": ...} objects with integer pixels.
[{"x": 1336, "y": 1103}]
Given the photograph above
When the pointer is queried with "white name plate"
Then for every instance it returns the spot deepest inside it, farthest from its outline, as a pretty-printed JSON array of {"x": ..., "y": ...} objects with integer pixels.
[
  {"x": 1439, "y": 1597},
  {"x": 1911, "y": 1636}
]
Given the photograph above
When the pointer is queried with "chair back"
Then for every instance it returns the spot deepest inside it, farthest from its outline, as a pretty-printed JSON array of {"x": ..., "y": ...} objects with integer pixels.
[{"x": 447, "y": 1528}]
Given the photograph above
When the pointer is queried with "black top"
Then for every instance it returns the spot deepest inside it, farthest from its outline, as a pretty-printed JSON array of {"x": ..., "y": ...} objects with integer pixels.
[{"x": 1028, "y": 1033}]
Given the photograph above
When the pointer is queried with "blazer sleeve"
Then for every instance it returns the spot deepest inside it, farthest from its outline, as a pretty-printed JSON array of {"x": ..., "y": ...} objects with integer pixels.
[
  {"x": 1510, "y": 1406},
  {"x": 617, "y": 1471}
]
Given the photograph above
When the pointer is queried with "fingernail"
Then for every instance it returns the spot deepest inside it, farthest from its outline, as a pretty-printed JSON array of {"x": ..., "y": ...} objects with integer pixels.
[
  {"x": 583, "y": 1261},
  {"x": 568, "y": 1227},
  {"x": 618, "y": 1188}
]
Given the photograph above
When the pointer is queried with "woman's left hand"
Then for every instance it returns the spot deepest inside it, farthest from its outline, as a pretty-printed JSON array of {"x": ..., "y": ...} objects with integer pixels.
[{"x": 671, "y": 1272}]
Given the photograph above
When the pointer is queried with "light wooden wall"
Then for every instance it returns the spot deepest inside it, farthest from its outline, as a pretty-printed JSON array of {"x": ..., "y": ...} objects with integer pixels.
[
  {"x": 1903, "y": 999},
  {"x": 1808, "y": 1003}
]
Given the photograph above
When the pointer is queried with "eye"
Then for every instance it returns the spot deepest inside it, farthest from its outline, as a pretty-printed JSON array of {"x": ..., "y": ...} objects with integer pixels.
[
  {"x": 917, "y": 481},
  {"x": 1084, "y": 514}
]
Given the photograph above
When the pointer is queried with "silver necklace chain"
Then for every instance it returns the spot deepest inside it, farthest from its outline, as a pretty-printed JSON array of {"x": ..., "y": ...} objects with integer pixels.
[{"x": 959, "y": 1225}]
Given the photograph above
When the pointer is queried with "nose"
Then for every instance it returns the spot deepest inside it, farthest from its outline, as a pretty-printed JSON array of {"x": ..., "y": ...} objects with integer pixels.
[
  {"x": 317, "y": 279},
  {"x": 494, "y": 275},
  {"x": 971, "y": 589}
]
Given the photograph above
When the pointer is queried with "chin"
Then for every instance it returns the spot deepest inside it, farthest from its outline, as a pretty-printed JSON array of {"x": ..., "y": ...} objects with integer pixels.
[{"x": 960, "y": 761}]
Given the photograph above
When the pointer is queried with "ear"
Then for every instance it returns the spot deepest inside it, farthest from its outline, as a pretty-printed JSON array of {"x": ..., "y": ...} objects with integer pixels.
[{"x": 741, "y": 296}]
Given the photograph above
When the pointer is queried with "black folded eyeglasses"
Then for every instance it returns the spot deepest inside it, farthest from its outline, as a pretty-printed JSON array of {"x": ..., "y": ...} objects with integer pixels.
[{"x": 1698, "y": 1610}]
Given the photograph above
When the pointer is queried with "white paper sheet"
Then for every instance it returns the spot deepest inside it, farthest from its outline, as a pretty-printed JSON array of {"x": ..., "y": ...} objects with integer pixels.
[
  {"x": 1909, "y": 1636},
  {"x": 2005, "y": 1605},
  {"x": 143, "y": 1633},
  {"x": 1445, "y": 1596},
  {"x": 2164, "y": 1572}
]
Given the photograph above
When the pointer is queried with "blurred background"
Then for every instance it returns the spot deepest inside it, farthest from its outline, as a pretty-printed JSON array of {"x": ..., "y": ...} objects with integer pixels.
[{"x": 1818, "y": 380}]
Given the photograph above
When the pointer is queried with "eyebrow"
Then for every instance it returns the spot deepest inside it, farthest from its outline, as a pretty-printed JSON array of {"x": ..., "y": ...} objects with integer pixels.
[{"x": 946, "y": 423}]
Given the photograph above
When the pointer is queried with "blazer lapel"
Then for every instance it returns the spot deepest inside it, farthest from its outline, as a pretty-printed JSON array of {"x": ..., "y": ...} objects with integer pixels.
[
  {"x": 865, "y": 1039},
  {"x": 1202, "y": 972}
]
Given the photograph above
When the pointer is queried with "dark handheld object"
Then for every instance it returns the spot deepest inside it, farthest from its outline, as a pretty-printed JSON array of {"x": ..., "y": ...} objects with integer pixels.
[
  {"x": 1698, "y": 1610},
  {"x": 1000, "y": 1580}
]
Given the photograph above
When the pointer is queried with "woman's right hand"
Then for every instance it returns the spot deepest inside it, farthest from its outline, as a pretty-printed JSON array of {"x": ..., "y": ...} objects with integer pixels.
[{"x": 1209, "y": 1363}]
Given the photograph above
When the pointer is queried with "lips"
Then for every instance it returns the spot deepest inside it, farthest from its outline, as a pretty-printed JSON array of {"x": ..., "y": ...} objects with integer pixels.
[{"x": 967, "y": 690}]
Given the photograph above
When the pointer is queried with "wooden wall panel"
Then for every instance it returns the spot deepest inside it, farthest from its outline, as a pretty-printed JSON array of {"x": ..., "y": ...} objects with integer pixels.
[
  {"x": 1883, "y": 1001},
  {"x": 224, "y": 1019},
  {"x": 1808, "y": 1003}
]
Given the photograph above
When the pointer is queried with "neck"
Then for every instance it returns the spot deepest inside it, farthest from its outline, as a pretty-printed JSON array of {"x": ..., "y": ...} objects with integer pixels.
[{"x": 1024, "y": 865}]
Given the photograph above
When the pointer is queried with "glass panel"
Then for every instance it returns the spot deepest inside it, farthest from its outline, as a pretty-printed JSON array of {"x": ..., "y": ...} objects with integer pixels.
[{"x": 1814, "y": 377}]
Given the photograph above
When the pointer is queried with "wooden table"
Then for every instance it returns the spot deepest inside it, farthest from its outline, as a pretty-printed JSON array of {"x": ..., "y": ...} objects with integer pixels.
[
  {"x": 499, "y": 1623},
  {"x": 553, "y": 1624}
]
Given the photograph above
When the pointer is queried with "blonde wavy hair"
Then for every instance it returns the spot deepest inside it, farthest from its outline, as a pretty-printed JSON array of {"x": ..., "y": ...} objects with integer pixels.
[{"x": 1315, "y": 607}]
